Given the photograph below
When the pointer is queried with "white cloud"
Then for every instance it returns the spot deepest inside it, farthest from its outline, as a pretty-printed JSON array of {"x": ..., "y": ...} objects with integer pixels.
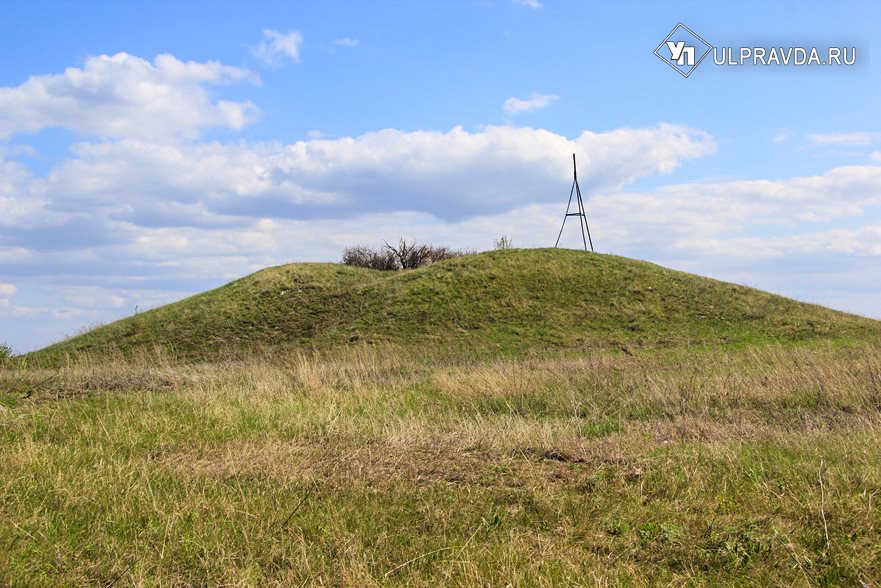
[
  {"x": 7, "y": 150},
  {"x": 277, "y": 47},
  {"x": 529, "y": 3},
  {"x": 844, "y": 139},
  {"x": 346, "y": 42},
  {"x": 783, "y": 137},
  {"x": 90, "y": 297},
  {"x": 6, "y": 292},
  {"x": 771, "y": 234},
  {"x": 875, "y": 156},
  {"x": 535, "y": 102},
  {"x": 126, "y": 96},
  {"x": 451, "y": 175}
]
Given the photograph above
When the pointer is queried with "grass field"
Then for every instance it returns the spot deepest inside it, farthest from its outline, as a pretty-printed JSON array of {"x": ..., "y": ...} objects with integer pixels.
[{"x": 740, "y": 449}]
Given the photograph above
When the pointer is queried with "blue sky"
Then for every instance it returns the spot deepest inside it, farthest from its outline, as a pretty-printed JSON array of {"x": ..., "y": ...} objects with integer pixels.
[{"x": 150, "y": 151}]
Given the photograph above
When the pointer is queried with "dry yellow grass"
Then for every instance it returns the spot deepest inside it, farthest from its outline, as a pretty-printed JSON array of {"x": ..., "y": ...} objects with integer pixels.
[{"x": 371, "y": 467}]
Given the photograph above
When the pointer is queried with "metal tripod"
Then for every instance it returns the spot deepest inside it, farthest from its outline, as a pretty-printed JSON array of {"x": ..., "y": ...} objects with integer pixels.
[{"x": 582, "y": 220}]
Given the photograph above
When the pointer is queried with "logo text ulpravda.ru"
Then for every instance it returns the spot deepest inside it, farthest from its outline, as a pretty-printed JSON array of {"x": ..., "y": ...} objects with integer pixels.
[{"x": 784, "y": 56}]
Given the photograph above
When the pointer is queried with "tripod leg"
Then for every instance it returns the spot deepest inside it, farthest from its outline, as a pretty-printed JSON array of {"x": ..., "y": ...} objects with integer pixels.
[
  {"x": 568, "y": 205},
  {"x": 586, "y": 226},
  {"x": 582, "y": 218},
  {"x": 588, "y": 234}
]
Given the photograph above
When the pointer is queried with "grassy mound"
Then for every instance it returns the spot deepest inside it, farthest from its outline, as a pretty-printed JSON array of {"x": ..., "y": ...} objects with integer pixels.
[{"x": 494, "y": 302}]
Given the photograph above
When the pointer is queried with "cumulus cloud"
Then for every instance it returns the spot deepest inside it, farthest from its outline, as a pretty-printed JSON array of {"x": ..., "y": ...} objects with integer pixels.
[
  {"x": 277, "y": 47},
  {"x": 126, "y": 96},
  {"x": 515, "y": 105},
  {"x": 725, "y": 208},
  {"x": 451, "y": 175}
]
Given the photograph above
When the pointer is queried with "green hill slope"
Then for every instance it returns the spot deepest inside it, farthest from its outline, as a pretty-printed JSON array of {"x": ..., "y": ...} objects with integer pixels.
[{"x": 500, "y": 301}]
